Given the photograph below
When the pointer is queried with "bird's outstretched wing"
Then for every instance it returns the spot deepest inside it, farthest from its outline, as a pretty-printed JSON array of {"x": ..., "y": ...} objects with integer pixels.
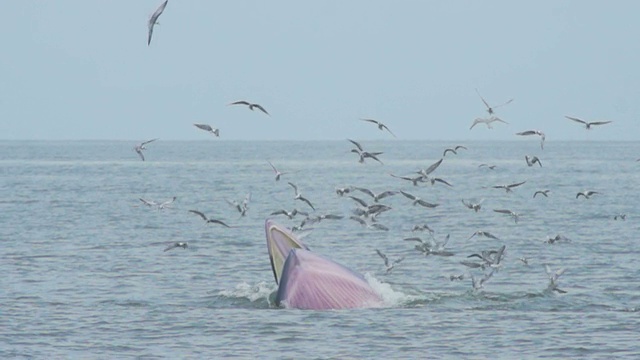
[
  {"x": 356, "y": 144},
  {"x": 442, "y": 181},
  {"x": 383, "y": 256},
  {"x": 516, "y": 184},
  {"x": 308, "y": 202},
  {"x": 433, "y": 167},
  {"x": 371, "y": 121},
  {"x": 389, "y": 130},
  {"x": 148, "y": 202},
  {"x": 172, "y": 246},
  {"x": 385, "y": 194},
  {"x": 576, "y": 119},
  {"x": 154, "y": 19},
  {"x": 261, "y": 109},
  {"x": 148, "y": 141},
  {"x": 528, "y": 132},
  {"x": 358, "y": 200},
  {"x": 407, "y": 195},
  {"x": 483, "y": 100},
  {"x": 503, "y": 104},
  {"x": 203, "y": 216},
  {"x": 273, "y": 167},
  {"x": 241, "y": 102},
  {"x": 139, "y": 151},
  {"x": 216, "y": 221},
  {"x": 427, "y": 204}
]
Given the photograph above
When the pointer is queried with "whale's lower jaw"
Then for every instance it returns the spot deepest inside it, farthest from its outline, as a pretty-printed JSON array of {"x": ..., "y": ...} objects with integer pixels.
[{"x": 310, "y": 281}]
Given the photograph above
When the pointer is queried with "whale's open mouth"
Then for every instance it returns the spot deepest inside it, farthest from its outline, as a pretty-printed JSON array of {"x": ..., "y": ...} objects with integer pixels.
[{"x": 307, "y": 280}]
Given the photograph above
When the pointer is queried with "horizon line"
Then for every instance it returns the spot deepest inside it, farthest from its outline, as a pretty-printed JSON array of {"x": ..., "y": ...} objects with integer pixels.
[{"x": 318, "y": 140}]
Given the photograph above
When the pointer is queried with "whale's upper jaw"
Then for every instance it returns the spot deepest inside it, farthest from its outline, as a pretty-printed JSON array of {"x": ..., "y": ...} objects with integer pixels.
[{"x": 280, "y": 241}]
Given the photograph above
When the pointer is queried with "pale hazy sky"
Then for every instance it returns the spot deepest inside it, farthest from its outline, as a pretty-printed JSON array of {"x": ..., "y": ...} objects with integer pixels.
[{"x": 75, "y": 69}]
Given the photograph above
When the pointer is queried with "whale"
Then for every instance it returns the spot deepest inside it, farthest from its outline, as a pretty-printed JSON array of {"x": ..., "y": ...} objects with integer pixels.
[{"x": 310, "y": 281}]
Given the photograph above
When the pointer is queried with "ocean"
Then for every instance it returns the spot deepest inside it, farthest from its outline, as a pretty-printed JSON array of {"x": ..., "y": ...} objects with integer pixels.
[{"x": 85, "y": 274}]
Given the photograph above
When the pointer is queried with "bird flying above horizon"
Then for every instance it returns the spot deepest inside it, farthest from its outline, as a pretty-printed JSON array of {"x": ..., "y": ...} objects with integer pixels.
[
  {"x": 153, "y": 20},
  {"x": 586, "y": 124},
  {"x": 380, "y": 125},
  {"x": 207, "y": 127},
  {"x": 490, "y": 109},
  {"x": 140, "y": 147},
  {"x": 250, "y": 105}
]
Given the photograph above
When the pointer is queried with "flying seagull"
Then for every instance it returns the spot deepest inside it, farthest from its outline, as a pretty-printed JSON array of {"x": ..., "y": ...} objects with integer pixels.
[
  {"x": 276, "y": 171},
  {"x": 389, "y": 265},
  {"x": 298, "y": 195},
  {"x": 207, "y": 220},
  {"x": 370, "y": 155},
  {"x": 139, "y": 148},
  {"x": 422, "y": 228},
  {"x": 473, "y": 206},
  {"x": 478, "y": 283},
  {"x": 620, "y": 216},
  {"x": 414, "y": 180},
  {"x": 344, "y": 190},
  {"x": 557, "y": 238},
  {"x": 534, "y": 132},
  {"x": 587, "y": 194},
  {"x": 514, "y": 215},
  {"x": 553, "y": 278},
  {"x": 508, "y": 188},
  {"x": 250, "y": 105},
  {"x": 208, "y": 128},
  {"x": 153, "y": 20},
  {"x": 531, "y": 160},
  {"x": 376, "y": 197},
  {"x": 417, "y": 200},
  {"x": 176, "y": 245},
  {"x": 587, "y": 125},
  {"x": 542, "y": 192},
  {"x": 364, "y": 154},
  {"x": 159, "y": 206},
  {"x": 453, "y": 150},
  {"x": 380, "y": 125},
  {"x": 241, "y": 207},
  {"x": 438, "y": 248},
  {"x": 483, "y": 233},
  {"x": 290, "y": 214},
  {"x": 490, "y": 109},
  {"x": 491, "y": 258},
  {"x": 487, "y": 121}
]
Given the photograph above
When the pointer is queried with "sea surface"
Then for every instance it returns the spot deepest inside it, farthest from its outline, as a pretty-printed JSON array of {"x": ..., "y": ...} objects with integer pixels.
[{"x": 85, "y": 274}]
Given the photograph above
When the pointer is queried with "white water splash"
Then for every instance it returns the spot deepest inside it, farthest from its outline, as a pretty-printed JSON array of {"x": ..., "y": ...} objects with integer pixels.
[
  {"x": 261, "y": 290},
  {"x": 389, "y": 296}
]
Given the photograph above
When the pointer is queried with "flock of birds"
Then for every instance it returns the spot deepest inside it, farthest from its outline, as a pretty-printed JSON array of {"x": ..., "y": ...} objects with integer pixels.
[{"x": 366, "y": 213}]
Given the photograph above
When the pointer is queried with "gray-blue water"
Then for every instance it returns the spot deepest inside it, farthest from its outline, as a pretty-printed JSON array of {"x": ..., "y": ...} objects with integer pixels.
[{"x": 84, "y": 274}]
